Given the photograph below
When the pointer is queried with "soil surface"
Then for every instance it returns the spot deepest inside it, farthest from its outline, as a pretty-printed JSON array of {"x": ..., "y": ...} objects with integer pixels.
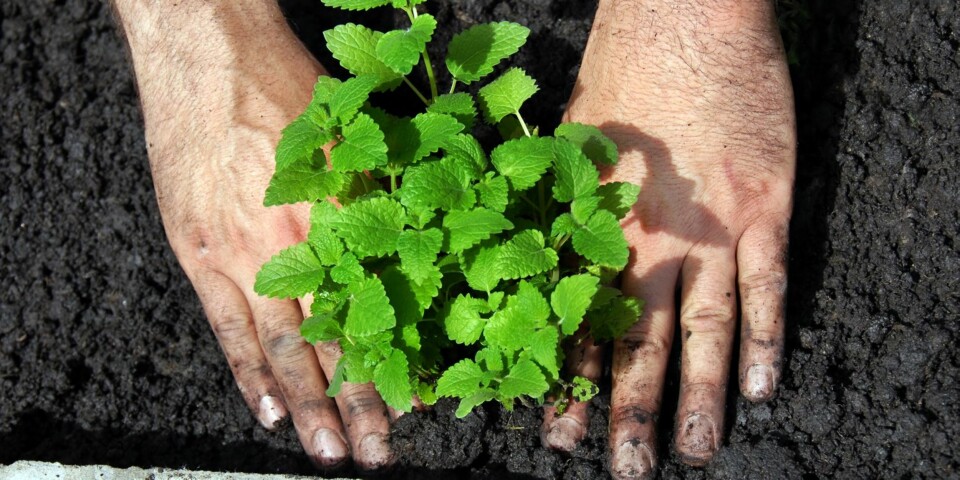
[{"x": 105, "y": 356}]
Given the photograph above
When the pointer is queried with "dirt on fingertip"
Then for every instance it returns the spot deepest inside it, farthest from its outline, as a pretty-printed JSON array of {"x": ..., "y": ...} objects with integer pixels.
[{"x": 105, "y": 356}]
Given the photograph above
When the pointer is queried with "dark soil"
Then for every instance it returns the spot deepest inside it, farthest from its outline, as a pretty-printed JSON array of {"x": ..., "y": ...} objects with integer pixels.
[{"x": 105, "y": 356}]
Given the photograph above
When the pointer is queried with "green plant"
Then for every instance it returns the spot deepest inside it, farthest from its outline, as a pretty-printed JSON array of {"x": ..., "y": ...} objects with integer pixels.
[{"x": 437, "y": 244}]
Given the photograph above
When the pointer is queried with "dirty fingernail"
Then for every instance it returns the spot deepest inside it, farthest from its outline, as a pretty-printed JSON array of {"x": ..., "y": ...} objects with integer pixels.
[
  {"x": 633, "y": 459},
  {"x": 330, "y": 449},
  {"x": 271, "y": 411},
  {"x": 374, "y": 452},
  {"x": 564, "y": 434},
  {"x": 698, "y": 439},
  {"x": 759, "y": 382}
]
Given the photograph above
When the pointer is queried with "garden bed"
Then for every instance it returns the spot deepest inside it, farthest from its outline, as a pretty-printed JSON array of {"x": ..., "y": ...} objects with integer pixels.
[{"x": 105, "y": 356}]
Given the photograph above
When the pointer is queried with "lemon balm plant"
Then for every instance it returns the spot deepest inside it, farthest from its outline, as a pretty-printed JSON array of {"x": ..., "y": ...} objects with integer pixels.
[{"x": 447, "y": 271}]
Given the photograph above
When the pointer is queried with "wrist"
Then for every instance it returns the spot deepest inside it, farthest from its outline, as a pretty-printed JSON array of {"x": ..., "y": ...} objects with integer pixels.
[{"x": 202, "y": 66}]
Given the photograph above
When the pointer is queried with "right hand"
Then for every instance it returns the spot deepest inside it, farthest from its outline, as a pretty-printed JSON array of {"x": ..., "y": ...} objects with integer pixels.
[{"x": 215, "y": 97}]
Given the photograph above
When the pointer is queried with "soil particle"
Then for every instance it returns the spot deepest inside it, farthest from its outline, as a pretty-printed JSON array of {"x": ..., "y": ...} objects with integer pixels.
[{"x": 105, "y": 356}]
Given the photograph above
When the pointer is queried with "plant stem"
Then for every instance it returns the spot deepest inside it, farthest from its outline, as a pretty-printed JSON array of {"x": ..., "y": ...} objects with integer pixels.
[
  {"x": 417, "y": 91},
  {"x": 453, "y": 85},
  {"x": 543, "y": 203},
  {"x": 433, "y": 79},
  {"x": 523, "y": 124},
  {"x": 393, "y": 182}
]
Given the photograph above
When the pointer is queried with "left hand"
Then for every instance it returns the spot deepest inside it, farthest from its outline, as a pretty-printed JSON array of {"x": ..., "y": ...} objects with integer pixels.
[{"x": 699, "y": 101}]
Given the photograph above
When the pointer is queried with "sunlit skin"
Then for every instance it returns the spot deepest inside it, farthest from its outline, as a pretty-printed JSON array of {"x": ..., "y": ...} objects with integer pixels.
[{"x": 695, "y": 93}]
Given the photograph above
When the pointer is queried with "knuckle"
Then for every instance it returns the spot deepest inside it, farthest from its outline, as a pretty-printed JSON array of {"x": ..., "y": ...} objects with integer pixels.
[
  {"x": 639, "y": 414},
  {"x": 232, "y": 328},
  {"x": 282, "y": 342},
  {"x": 646, "y": 344},
  {"x": 361, "y": 401},
  {"x": 707, "y": 318},
  {"x": 765, "y": 282}
]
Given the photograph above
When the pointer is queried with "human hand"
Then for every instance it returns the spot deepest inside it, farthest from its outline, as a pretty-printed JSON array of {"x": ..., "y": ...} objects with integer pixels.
[
  {"x": 698, "y": 99},
  {"x": 217, "y": 85}
]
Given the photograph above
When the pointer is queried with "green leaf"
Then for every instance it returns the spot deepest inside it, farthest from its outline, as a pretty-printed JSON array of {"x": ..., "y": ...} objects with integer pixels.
[
  {"x": 426, "y": 393},
  {"x": 563, "y": 225},
  {"x": 543, "y": 349},
  {"x": 571, "y": 299},
  {"x": 347, "y": 270},
  {"x": 468, "y": 228},
  {"x": 525, "y": 378},
  {"x": 361, "y": 148},
  {"x": 469, "y": 403},
  {"x": 438, "y": 184},
  {"x": 336, "y": 381},
  {"x": 583, "y": 389},
  {"x": 505, "y": 95},
  {"x": 322, "y": 214},
  {"x": 355, "y": 47},
  {"x": 530, "y": 304},
  {"x": 357, "y": 186},
  {"x": 400, "y": 49},
  {"x": 524, "y": 160},
  {"x": 618, "y": 197},
  {"x": 473, "y": 53},
  {"x": 525, "y": 255},
  {"x": 347, "y": 99},
  {"x": 614, "y": 319},
  {"x": 509, "y": 329},
  {"x": 576, "y": 177},
  {"x": 458, "y": 105},
  {"x": 591, "y": 141},
  {"x": 370, "y": 311},
  {"x": 320, "y": 328},
  {"x": 324, "y": 90},
  {"x": 466, "y": 150},
  {"x": 463, "y": 323},
  {"x": 418, "y": 252},
  {"x": 356, "y": 4},
  {"x": 603, "y": 296},
  {"x": 428, "y": 289},
  {"x": 292, "y": 273},
  {"x": 490, "y": 358},
  {"x": 583, "y": 208},
  {"x": 601, "y": 241},
  {"x": 370, "y": 227},
  {"x": 481, "y": 266},
  {"x": 326, "y": 245},
  {"x": 392, "y": 380},
  {"x": 406, "y": 308},
  {"x": 299, "y": 141},
  {"x": 306, "y": 180},
  {"x": 424, "y": 135},
  {"x": 494, "y": 192},
  {"x": 460, "y": 380}
]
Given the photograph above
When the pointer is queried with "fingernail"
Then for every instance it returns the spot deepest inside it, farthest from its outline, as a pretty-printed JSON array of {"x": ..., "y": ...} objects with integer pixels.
[
  {"x": 564, "y": 434},
  {"x": 633, "y": 459},
  {"x": 374, "y": 452},
  {"x": 759, "y": 382},
  {"x": 698, "y": 439},
  {"x": 271, "y": 411},
  {"x": 330, "y": 448}
]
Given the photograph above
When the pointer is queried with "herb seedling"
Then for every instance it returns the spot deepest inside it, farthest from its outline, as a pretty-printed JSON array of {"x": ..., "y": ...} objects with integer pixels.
[{"x": 440, "y": 251}]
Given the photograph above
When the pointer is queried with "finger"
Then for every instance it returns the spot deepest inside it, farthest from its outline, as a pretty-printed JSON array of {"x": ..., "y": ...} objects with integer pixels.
[
  {"x": 707, "y": 320},
  {"x": 762, "y": 262},
  {"x": 364, "y": 414},
  {"x": 639, "y": 366},
  {"x": 564, "y": 432},
  {"x": 232, "y": 323},
  {"x": 296, "y": 369}
]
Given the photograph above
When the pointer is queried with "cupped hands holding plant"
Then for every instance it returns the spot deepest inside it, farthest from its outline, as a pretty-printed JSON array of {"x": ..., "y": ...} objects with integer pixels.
[{"x": 696, "y": 97}]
